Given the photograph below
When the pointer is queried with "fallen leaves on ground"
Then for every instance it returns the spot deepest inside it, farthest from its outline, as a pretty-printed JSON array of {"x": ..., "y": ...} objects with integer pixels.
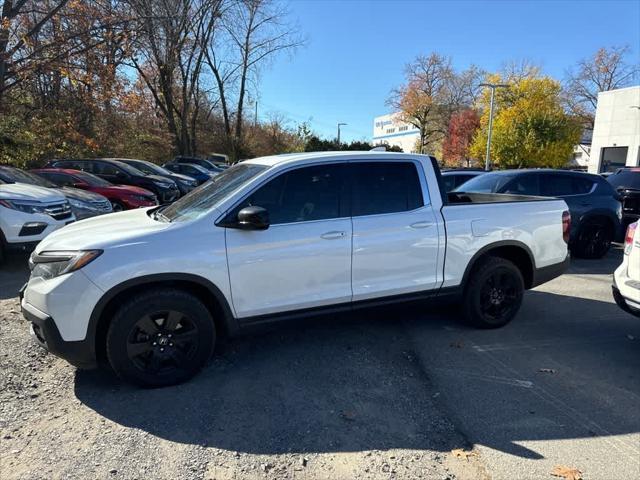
[
  {"x": 568, "y": 473},
  {"x": 460, "y": 453},
  {"x": 547, "y": 370}
]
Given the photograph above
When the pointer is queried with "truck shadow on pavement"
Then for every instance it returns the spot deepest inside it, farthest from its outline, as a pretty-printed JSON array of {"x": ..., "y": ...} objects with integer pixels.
[{"x": 402, "y": 377}]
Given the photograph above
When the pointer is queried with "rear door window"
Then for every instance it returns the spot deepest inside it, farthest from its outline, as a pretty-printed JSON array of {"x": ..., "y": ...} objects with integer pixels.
[
  {"x": 562, "y": 185},
  {"x": 527, "y": 184},
  {"x": 385, "y": 187}
]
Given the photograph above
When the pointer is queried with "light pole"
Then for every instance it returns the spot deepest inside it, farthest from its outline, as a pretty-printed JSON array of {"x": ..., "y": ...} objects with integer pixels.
[
  {"x": 492, "y": 86},
  {"x": 339, "y": 125}
]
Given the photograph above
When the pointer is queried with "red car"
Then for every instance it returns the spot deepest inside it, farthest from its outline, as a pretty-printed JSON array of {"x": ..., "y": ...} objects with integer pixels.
[{"x": 122, "y": 197}]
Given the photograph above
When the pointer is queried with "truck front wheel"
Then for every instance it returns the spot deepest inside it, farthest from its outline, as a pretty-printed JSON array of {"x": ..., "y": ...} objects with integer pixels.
[
  {"x": 493, "y": 294},
  {"x": 160, "y": 338}
]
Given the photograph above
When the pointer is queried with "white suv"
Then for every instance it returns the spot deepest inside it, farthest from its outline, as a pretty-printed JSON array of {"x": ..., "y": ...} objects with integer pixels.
[
  {"x": 626, "y": 278},
  {"x": 28, "y": 214}
]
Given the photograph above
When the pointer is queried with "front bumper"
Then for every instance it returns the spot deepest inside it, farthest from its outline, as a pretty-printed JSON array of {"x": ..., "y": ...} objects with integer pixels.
[{"x": 46, "y": 334}]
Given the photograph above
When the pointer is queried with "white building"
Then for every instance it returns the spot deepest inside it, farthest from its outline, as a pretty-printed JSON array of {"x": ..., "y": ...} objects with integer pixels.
[
  {"x": 390, "y": 130},
  {"x": 616, "y": 133}
]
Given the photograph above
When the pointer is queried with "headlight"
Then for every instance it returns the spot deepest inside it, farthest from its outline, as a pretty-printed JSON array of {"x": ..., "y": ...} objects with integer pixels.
[
  {"x": 80, "y": 204},
  {"x": 23, "y": 206},
  {"x": 48, "y": 265},
  {"x": 189, "y": 183}
]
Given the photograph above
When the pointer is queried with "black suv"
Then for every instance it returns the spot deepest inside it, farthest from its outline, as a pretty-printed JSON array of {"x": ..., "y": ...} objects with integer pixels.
[
  {"x": 185, "y": 184},
  {"x": 594, "y": 205},
  {"x": 115, "y": 171},
  {"x": 208, "y": 164},
  {"x": 626, "y": 181}
]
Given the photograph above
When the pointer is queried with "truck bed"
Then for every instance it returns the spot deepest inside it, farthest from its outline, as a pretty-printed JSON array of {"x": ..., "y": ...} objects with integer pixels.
[{"x": 454, "y": 198}]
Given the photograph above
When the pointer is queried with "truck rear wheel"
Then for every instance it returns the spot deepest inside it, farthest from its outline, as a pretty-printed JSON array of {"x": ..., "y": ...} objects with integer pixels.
[
  {"x": 160, "y": 338},
  {"x": 493, "y": 294}
]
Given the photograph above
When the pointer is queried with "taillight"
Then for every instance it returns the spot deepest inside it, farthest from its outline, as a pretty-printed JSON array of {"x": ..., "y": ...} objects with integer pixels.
[
  {"x": 628, "y": 238},
  {"x": 566, "y": 226}
]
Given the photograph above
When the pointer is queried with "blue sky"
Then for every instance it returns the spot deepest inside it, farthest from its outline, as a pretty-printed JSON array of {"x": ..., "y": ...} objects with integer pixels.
[{"x": 356, "y": 50}]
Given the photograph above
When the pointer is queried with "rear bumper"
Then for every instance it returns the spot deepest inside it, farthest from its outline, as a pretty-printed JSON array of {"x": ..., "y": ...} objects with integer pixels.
[
  {"x": 46, "y": 334},
  {"x": 624, "y": 303},
  {"x": 545, "y": 274}
]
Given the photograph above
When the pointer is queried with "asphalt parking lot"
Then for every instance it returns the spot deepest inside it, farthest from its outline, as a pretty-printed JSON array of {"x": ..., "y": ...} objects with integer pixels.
[{"x": 386, "y": 393}]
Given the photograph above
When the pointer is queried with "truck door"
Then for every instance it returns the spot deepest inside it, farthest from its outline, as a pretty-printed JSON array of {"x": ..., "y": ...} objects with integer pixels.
[{"x": 395, "y": 232}]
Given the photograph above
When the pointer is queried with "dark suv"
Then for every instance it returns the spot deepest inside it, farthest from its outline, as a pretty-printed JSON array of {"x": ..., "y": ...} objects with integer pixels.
[
  {"x": 185, "y": 184},
  {"x": 594, "y": 205},
  {"x": 626, "y": 181},
  {"x": 115, "y": 171},
  {"x": 208, "y": 164}
]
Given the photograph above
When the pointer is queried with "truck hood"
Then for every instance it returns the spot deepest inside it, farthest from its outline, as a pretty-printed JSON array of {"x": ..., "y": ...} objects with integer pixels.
[
  {"x": 104, "y": 231},
  {"x": 33, "y": 193}
]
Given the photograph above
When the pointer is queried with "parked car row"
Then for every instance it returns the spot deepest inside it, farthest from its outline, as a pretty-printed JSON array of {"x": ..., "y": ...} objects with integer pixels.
[{"x": 86, "y": 188}]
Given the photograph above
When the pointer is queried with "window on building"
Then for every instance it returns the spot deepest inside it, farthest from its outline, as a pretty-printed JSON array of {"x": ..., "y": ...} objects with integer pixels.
[
  {"x": 391, "y": 130},
  {"x": 404, "y": 128}
]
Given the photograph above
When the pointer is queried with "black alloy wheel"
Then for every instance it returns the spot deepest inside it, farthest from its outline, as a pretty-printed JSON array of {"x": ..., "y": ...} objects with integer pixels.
[
  {"x": 117, "y": 206},
  {"x": 161, "y": 337},
  {"x": 493, "y": 294},
  {"x": 593, "y": 241},
  {"x": 499, "y": 295},
  {"x": 161, "y": 342}
]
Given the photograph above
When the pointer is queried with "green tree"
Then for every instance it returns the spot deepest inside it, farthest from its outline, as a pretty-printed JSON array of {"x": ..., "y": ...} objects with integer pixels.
[{"x": 530, "y": 126}]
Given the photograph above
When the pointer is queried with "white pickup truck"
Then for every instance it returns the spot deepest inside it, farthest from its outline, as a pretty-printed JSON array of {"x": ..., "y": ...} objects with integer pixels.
[{"x": 150, "y": 290}]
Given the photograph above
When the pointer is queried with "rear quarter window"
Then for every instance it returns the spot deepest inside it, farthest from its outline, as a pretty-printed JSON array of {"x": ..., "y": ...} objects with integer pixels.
[{"x": 629, "y": 178}]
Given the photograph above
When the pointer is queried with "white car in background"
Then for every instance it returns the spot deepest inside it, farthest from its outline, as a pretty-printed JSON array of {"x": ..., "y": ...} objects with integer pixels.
[
  {"x": 626, "y": 279},
  {"x": 29, "y": 213}
]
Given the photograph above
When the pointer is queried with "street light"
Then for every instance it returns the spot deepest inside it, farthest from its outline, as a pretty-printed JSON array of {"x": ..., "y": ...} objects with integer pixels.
[
  {"x": 339, "y": 125},
  {"x": 492, "y": 86}
]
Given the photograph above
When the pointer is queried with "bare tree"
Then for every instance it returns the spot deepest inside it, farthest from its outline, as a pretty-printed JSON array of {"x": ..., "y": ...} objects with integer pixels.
[
  {"x": 169, "y": 53},
  {"x": 432, "y": 93},
  {"x": 254, "y": 31},
  {"x": 607, "y": 69},
  {"x": 21, "y": 21}
]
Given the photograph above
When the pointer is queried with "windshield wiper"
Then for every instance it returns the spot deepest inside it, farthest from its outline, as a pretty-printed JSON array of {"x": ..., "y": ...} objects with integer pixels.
[{"x": 159, "y": 215}]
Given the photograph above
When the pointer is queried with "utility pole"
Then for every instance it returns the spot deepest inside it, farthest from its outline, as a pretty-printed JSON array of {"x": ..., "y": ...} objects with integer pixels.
[
  {"x": 339, "y": 124},
  {"x": 492, "y": 86},
  {"x": 255, "y": 118}
]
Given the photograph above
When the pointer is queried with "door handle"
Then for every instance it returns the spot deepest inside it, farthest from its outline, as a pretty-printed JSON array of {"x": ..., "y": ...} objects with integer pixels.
[
  {"x": 333, "y": 235},
  {"x": 424, "y": 224}
]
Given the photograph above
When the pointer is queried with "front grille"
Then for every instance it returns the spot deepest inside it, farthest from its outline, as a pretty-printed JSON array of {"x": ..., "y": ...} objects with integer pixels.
[
  {"x": 102, "y": 205},
  {"x": 631, "y": 205},
  {"x": 59, "y": 211}
]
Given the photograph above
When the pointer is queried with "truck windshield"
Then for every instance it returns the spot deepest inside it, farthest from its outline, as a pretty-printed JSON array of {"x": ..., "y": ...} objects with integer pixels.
[
  {"x": 201, "y": 200},
  {"x": 487, "y": 183}
]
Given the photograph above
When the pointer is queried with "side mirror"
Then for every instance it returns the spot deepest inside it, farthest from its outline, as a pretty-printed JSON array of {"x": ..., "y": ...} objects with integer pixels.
[
  {"x": 253, "y": 218},
  {"x": 120, "y": 174}
]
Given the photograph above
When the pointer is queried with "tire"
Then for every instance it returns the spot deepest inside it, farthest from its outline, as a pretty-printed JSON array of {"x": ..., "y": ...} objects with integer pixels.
[
  {"x": 593, "y": 240},
  {"x": 493, "y": 294},
  {"x": 143, "y": 349},
  {"x": 117, "y": 206}
]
